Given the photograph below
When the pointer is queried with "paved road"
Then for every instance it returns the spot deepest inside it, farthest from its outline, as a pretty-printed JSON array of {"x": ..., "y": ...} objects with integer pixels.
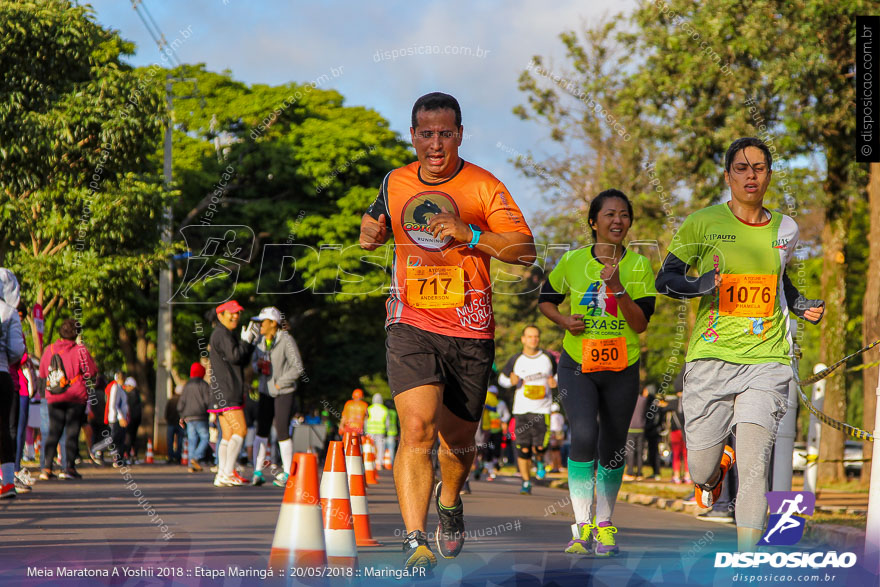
[{"x": 103, "y": 523}]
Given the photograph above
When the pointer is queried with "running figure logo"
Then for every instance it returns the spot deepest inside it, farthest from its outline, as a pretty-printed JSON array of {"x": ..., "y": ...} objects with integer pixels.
[
  {"x": 222, "y": 250},
  {"x": 787, "y": 518}
]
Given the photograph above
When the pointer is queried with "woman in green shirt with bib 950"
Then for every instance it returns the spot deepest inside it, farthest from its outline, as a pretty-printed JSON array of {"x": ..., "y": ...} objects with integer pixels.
[{"x": 612, "y": 299}]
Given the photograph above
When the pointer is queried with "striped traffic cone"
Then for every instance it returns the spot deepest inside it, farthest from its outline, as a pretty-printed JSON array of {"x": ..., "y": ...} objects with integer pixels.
[
  {"x": 184, "y": 458},
  {"x": 336, "y": 507},
  {"x": 387, "y": 463},
  {"x": 370, "y": 462},
  {"x": 354, "y": 465},
  {"x": 149, "y": 458},
  {"x": 299, "y": 537}
]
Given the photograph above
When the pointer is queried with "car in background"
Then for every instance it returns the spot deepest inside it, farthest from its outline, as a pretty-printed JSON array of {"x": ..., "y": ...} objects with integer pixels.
[{"x": 852, "y": 451}]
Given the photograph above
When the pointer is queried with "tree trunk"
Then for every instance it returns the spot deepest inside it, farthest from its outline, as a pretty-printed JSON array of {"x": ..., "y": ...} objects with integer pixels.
[
  {"x": 834, "y": 322},
  {"x": 871, "y": 316}
]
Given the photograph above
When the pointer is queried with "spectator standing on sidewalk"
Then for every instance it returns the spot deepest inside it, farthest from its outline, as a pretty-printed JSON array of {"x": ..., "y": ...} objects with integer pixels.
[
  {"x": 12, "y": 348},
  {"x": 22, "y": 374},
  {"x": 116, "y": 417},
  {"x": 136, "y": 414},
  {"x": 67, "y": 405},
  {"x": 635, "y": 439},
  {"x": 377, "y": 425},
  {"x": 195, "y": 399},
  {"x": 173, "y": 429},
  {"x": 653, "y": 431},
  {"x": 393, "y": 429}
]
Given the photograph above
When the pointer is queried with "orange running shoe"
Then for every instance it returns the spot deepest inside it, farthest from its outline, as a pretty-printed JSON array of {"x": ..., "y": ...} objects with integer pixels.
[{"x": 707, "y": 496}]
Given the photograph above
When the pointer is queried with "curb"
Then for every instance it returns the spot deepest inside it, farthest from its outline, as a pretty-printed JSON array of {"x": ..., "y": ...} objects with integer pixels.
[
  {"x": 844, "y": 538},
  {"x": 664, "y": 503}
]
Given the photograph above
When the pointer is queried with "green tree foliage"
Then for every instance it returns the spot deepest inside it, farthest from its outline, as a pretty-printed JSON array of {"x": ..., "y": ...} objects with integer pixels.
[
  {"x": 77, "y": 126},
  {"x": 689, "y": 78},
  {"x": 304, "y": 167}
]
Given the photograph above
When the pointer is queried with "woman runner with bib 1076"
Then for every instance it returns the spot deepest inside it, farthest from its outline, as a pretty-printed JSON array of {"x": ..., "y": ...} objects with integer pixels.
[
  {"x": 738, "y": 364},
  {"x": 612, "y": 299}
]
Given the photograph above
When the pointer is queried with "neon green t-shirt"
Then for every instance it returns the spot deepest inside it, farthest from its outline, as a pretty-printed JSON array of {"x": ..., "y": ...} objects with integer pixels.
[
  {"x": 578, "y": 274},
  {"x": 744, "y": 321}
]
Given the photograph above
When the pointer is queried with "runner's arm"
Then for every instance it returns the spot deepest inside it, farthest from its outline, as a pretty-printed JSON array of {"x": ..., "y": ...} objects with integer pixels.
[
  {"x": 637, "y": 312},
  {"x": 376, "y": 224},
  {"x": 809, "y": 310},
  {"x": 507, "y": 371},
  {"x": 510, "y": 247},
  {"x": 673, "y": 280},
  {"x": 548, "y": 300},
  {"x": 374, "y": 232}
]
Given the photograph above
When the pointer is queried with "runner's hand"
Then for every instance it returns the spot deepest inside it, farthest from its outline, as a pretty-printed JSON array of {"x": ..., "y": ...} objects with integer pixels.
[
  {"x": 575, "y": 324},
  {"x": 514, "y": 379},
  {"x": 814, "y": 314},
  {"x": 448, "y": 224},
  {"x": 709, "y": 282},
  {"x": 611, "y": 276},
  {"x": 374, "y": 232}
]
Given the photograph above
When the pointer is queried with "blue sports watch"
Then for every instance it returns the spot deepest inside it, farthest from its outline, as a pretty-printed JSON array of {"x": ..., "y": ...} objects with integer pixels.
[{"x": 476, "y": 238}]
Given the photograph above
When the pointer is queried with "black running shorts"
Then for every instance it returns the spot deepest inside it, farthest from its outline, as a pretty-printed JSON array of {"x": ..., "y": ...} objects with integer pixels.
[
  {"x": 418, "y": 357},
  {"x": 532, "y": 430}
]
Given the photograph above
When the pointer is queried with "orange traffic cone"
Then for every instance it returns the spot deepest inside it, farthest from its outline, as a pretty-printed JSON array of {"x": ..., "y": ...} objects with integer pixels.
[
  {"x": 184, "y": 458},
  {"x": 354, "y": 465},
  {"x": 387, "y": 463},
  {"x": 299, "y": 537},
  {"x": 370, "y": 462},
  {"x": 149, "y": 459},
  {"x": 338, "y": 529}
]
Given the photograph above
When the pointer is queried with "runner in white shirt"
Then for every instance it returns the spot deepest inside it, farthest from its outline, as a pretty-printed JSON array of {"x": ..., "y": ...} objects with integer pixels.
[{"x": 532, "y": 373}]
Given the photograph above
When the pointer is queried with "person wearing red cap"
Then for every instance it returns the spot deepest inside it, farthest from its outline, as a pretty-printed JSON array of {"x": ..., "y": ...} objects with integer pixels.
[
  {"x": 354, "y": 413},
  {"x": 229, "y": 355},
  {"x": 195, "y": 399}
]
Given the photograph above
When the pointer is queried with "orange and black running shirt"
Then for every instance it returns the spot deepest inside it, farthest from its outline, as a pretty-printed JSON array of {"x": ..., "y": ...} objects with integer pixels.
[{"x": 440, "y": 285}]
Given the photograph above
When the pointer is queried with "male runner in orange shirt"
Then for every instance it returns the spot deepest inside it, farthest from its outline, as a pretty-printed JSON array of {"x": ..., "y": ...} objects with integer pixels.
[{"x": 448, "y": 217}]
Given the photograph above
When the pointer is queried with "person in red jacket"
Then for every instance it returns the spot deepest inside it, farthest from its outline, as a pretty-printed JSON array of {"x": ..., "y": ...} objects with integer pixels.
[{"x": 66, "y": 409}]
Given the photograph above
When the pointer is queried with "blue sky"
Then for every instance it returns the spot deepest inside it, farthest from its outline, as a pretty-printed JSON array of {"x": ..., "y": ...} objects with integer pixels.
[{"x": 275, "y": 42}]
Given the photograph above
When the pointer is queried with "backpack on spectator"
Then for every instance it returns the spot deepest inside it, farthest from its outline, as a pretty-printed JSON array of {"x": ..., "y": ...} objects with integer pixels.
[{"x": 57, "y": 382}]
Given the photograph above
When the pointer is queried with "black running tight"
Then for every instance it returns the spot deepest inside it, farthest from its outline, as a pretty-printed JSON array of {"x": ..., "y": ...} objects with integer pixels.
[{"x": 608, "y": 397}]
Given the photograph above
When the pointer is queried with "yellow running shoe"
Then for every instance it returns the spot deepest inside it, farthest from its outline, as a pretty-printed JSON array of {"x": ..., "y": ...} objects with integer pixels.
[
  {"x": 604, "y": 533},
  {"x": 582, "y": 539}
]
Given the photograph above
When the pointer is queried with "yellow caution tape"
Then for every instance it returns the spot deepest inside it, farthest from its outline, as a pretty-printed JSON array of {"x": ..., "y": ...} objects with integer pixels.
[
  {"x": 815, "y": 459},
  {"x": 863, "y": 367},
  {"x": 827, "y": 370}
]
